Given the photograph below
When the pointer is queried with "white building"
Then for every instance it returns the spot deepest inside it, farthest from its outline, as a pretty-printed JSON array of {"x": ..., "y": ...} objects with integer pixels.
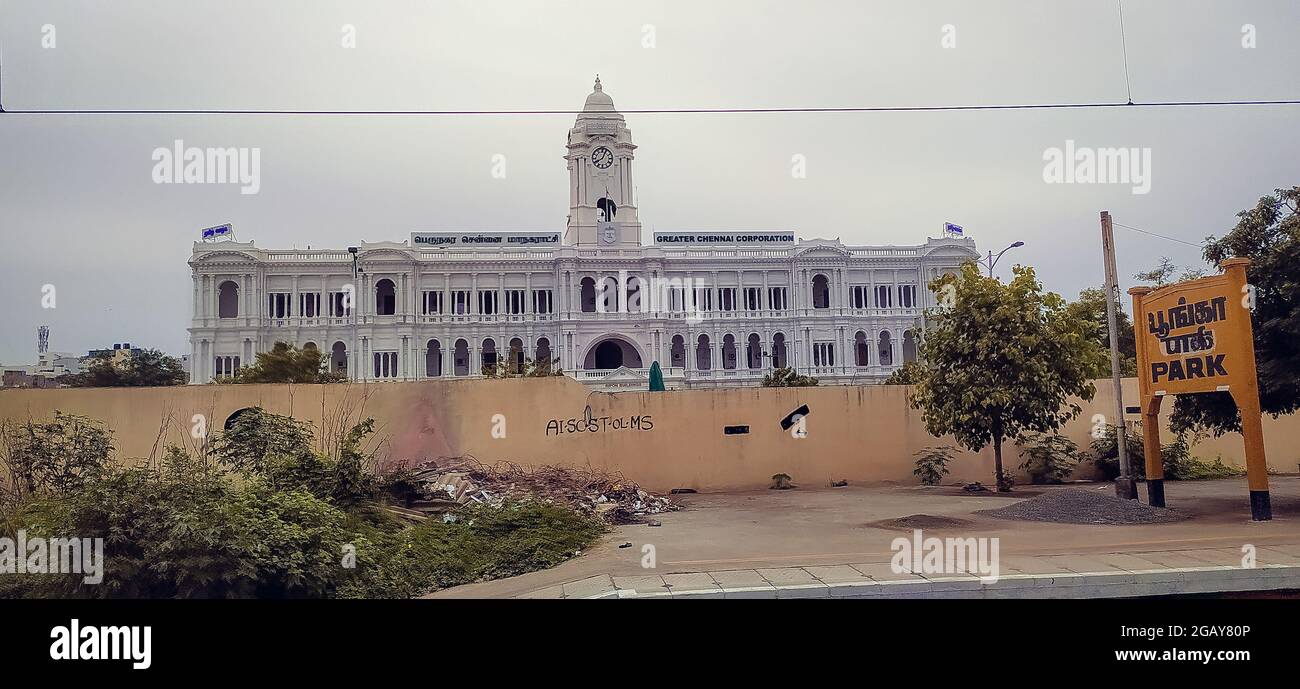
[{"x": 714, "y": 308}]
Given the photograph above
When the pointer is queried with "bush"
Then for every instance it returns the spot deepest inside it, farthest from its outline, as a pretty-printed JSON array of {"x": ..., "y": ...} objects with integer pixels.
[
  {"x": 1106, "y": 454},
  {"x": 787, "y": 377},
  {"x": 932, "y": 464},
  {"x": 1049, "y": 457},
  {"x": 57, "y": 456}
]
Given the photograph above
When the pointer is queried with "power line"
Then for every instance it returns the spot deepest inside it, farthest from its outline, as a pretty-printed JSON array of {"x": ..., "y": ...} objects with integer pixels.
[
  {"x": 1153, "y": 234},
  {"x": 1123, "y": 41},
  {"x": 659, "y": 111}
]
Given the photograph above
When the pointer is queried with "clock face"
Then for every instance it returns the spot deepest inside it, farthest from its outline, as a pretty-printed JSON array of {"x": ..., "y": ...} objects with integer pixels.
[{"x": 602, "y": 157}]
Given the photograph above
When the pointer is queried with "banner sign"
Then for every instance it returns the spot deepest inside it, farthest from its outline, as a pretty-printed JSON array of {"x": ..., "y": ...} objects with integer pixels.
[
  {"x": 494, "y": 240},
  {"x": 1190, "y": 336},
  {"x": 733, "y": 238},
  {"x": 218, "y": 231}
]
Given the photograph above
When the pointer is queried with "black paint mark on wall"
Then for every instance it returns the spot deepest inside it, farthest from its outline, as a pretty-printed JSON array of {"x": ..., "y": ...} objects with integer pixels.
[
  {"x": 735, "y": 430},
  {"x": 793, "y": 417}
]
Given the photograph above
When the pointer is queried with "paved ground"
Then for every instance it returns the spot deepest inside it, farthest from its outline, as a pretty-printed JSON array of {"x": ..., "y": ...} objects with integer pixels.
[{"x": 824, "y": 536}]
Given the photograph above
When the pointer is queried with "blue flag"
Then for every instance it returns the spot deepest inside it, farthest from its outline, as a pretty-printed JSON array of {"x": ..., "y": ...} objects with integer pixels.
[{"x": 952, "y": 229}]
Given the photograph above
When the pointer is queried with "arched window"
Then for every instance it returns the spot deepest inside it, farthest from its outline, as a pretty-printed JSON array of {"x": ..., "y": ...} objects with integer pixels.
[
  {"x": 703, "y": 353},
  {"x": 909, "y": 346},
  {"x": 634, "y": 297},
  {"x": 677, "y": 354},
  {"x": 588, "y": 295},
  {"x": 860, "y": 351},
  {"x": 778, "y": 351},
  {"x": 228, "y": 300},
  {"x": 339, "y": 358},
  {"x": 821, "y": 292},
  {"x": 728, "y": 351},
  {"x": 754, "y": 351},
  {"x": 516, "y": 355},
  {"x": 385, "y": 298},
  {"x": 433, "y": 359},
  {"x": 488, "y": 354},
  {"x": 543, "y": 358},
  {"x": 609, "y": 295},
  {"x": 460, "y": 358},
  {"x": 886, "y": 349}
]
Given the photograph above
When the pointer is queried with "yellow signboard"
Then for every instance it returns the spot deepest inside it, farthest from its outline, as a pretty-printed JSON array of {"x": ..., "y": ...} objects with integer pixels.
[{"x": 1195, "y": 336}]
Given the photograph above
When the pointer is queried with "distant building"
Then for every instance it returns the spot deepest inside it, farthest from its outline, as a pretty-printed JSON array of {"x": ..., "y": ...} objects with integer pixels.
[{"x": 714, "y": 308}]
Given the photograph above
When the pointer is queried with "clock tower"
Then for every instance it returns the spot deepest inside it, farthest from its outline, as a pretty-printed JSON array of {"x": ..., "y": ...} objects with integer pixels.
[{"x": 602, "y": 198}]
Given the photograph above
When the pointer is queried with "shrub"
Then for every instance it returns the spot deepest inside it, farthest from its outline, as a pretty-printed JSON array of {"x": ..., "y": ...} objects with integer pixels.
[
  {"x": 1106, "y": 453},
  {"x": 932, "y": 464},
  {"x": 57, "y": 456},
  {"x": 787, "y": 378},
  {"x": 1049, "y": 457}
]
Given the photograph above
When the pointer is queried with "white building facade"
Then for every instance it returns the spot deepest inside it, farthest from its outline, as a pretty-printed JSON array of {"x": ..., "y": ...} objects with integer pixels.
[{"x": 713, "y": 308}]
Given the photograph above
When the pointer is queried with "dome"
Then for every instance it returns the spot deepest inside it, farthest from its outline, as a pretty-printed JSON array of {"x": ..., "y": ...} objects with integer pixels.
[{"x": 598, "y": 101}]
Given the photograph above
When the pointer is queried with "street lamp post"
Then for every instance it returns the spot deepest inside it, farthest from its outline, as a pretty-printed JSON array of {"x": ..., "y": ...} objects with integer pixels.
[
  {"x": 993, "y": 260},
  {"x": 355, "y": 359}
]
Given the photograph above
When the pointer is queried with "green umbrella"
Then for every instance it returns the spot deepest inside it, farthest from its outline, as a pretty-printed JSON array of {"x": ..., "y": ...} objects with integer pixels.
[{"x": 656, "y": 377}]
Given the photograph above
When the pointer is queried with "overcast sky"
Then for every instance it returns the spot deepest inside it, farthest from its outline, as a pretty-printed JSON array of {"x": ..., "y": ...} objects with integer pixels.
[{"x": 79, "y": 210}]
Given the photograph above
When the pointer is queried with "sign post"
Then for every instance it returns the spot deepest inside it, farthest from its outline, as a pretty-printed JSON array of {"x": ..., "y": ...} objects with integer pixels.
[{"x": 1192, "y": 337}]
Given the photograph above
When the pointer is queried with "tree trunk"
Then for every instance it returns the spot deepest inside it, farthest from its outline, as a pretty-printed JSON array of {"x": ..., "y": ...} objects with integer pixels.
[{"x": 997, "y": 463}]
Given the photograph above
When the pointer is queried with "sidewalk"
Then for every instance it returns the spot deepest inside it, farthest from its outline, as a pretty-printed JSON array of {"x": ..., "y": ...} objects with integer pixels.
[{"x": 1108, "y": 575}]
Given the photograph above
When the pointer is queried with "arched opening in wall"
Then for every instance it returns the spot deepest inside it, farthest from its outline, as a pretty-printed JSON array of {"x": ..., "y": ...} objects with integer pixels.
[
  {"x": 339, "y": 358},
  {"x": 385, "y": 298},
  {"x": 544, "y": 354},
  {"x": 703, "y": 354},
  {"x": 433, "y": 359},
  {"x": 608, "y": 355},
  {"x": 754, "y": 351},
  {"x": 587, "y": 295},
  {"x": 228, "y": 300},
  {"x": 234, "y": 416},
  {"x": 608, "y": 209},
  {"x": 677, "y": 353},
  {"x": 611, "y": 353},
  {"x": 634, "y": 296},
  {"x": 516, "y": 356},
  {"x": 488, "y": 354},
  {"x": 886, "y": 349},
  {"x": 460, "y": 358},
  {"x": 779, "y": 359},
  {"x": 310, "y": 345},
  {"x": 821, "y": 292},
  {"x": 861, "y": 355},
  {"x": 909, "y": 346},
  {"x": 609, "y": 294},
  {"x": 728, "y": 351}
]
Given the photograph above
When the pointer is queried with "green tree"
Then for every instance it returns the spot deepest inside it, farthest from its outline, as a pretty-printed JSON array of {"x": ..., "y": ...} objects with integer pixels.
[
  {"x": 907, "y": 374},
  {"x": 146, "y": 368},
  {"x": 286, "y": 363},
  {"x": 1268, "y": 235},
  {"x": 1003, "y": 360},
  {"x": 529, "y": 368},
  {"x": 1091, "y": 306},
  {"x": 1161, "y": 274},
  {"x": 786, "y": 377}
]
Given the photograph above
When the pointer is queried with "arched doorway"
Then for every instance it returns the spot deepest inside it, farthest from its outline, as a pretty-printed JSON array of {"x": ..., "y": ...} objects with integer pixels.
[
  {"x": 821, "y": 292},
  {"x": 909, "y": 346},
  {"x": 703, "y": 354},
  {"x": 754, "y": 351},
  {"x": 778, "y": 351},
  {"x": 460, "y": 358},
  {"x": 677, "y": 354},
  {"x": 228, "y": 300},
  {"x": 385, "y": 298},
  {"x": 886, "y": 349},
  {"x": 611, "y": 353},
  {"x": 860, "y": 349}
]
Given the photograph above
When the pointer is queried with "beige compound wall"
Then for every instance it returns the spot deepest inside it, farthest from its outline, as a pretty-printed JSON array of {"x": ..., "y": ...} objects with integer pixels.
[{"x": 662, "y": 440}]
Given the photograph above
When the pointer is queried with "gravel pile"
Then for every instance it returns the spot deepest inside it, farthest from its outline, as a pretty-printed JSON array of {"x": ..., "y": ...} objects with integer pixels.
[{"x": 1074, "y": 506}]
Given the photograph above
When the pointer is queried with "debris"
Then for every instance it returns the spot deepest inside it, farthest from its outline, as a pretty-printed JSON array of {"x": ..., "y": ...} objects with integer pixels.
[
  {"x": 781, "y": 482},
  {"x": 839, "y": 484},
  {"x": 654, "y": 522},
  {"x": 680, "y": 491},
  {"x": 448, "y": 483},
  {"x": 1074, "y": 506},
  {"x": 975, "y": 487},
  {"x": 626, "y": 545}
]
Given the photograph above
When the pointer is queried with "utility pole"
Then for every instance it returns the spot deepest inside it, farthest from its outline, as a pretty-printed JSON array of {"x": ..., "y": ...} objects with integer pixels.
[{"x": 1125, "y": 484}]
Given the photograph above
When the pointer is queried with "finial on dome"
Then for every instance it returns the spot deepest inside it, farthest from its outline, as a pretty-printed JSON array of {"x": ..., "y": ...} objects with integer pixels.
[{"x": 597, "y": 82}]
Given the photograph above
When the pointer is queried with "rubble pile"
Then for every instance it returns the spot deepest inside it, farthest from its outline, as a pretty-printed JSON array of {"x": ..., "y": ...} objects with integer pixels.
[{"x": 445, "y": 484}]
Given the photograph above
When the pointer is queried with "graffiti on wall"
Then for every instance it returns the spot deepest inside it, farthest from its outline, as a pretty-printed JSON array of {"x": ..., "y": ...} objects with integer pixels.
[{"x": 589, "y": 423}]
